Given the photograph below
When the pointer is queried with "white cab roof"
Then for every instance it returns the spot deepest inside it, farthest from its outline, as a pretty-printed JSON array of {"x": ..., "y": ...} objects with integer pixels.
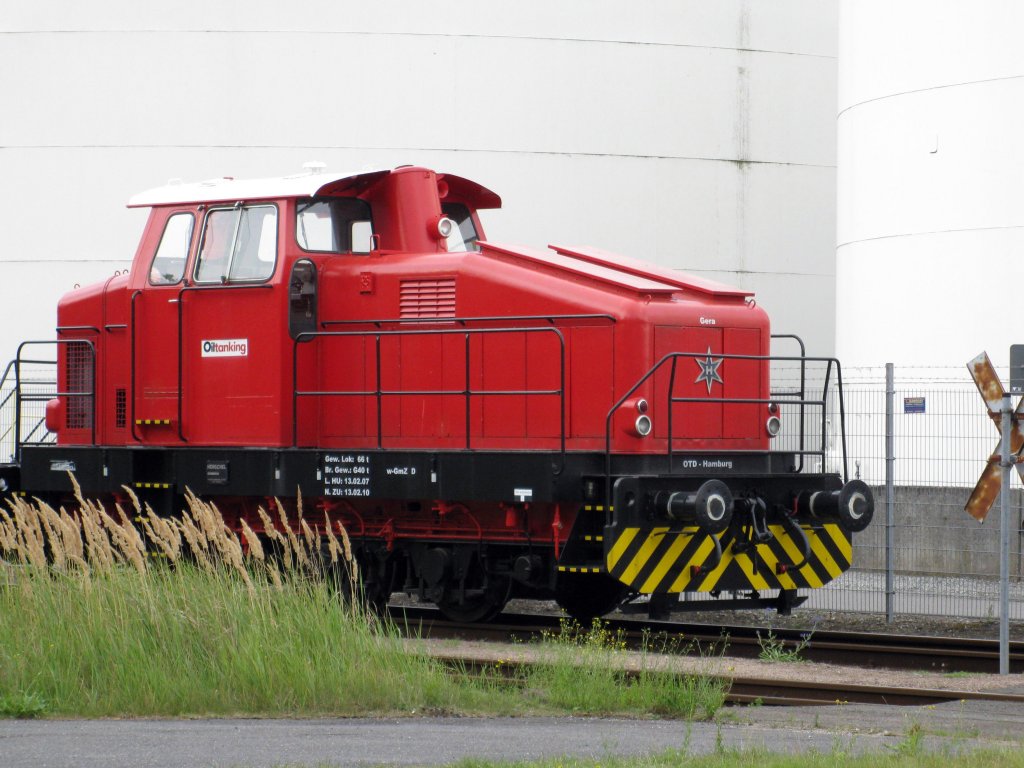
[{"x": 306, "y": 184}]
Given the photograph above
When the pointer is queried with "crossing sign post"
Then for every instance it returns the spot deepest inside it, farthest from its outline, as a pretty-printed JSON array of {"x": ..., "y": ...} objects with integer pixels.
[
  {"x": 995, "y": 478},
  {"x": 986, "y": 491}
]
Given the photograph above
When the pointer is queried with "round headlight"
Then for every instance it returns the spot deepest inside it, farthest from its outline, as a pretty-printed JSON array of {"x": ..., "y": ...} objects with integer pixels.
[
  {"x": 643, "y": 425},
  {"x": 773, "y": 425},
  {"x": 445, "y": 226}
]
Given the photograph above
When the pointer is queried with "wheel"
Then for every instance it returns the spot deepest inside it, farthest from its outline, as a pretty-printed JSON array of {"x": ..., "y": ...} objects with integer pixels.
[
  {"x": 588, "y": 596},
  {"x": 377, "y": 570},
  {"x": 482, "y": 605}
]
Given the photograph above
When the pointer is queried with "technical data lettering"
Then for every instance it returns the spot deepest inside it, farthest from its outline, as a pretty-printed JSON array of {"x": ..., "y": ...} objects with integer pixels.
[{"x": 347, "y": 474}]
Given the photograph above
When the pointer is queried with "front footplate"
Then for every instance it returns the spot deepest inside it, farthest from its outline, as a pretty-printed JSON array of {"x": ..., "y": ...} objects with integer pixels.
[{"x": 766, "y": 545}]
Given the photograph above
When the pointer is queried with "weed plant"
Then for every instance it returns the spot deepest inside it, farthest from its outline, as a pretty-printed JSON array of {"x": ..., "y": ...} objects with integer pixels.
[{"x": 774, "y": 649}]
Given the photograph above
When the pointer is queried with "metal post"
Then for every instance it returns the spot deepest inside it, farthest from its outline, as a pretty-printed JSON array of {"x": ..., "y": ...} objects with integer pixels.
[
  {"x": 1006, "y": 461},
  {"x": 890, "y": 501}
]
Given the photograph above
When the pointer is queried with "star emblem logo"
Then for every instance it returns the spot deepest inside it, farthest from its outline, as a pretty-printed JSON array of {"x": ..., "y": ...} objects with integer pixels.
[{"x": 709, "y": 370}]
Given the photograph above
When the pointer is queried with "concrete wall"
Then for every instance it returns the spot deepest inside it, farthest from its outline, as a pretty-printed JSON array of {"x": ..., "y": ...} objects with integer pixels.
[
  {"x": 698, "y": 135},
  {"x": 934, "y": 536}
]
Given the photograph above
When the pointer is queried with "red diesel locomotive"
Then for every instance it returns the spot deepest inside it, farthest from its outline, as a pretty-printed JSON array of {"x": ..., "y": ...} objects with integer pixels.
[{"x": 487, "y": 420}]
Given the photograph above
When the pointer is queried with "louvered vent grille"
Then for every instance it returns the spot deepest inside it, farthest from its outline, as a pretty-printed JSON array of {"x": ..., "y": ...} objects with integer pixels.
[
  {"x": 427, "y": 298},
  {"x": 78, "y": 370},
  {"x": 120, "y": 408}
]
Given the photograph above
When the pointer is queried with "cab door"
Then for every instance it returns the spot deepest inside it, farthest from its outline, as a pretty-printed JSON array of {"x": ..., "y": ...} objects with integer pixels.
[
  {"x": 153, "y": 408},
  {"x": 234, "y": 335}
]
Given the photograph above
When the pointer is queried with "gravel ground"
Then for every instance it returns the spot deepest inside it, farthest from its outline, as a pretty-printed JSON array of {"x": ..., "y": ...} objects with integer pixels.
[
  {"x": 813, "y": 619},
  {"x": 840, "y": 621}
]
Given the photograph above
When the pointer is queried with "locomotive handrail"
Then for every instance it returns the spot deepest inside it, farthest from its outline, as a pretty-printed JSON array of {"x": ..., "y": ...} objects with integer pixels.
[
  {"x": 71, "y": 328},
  {"x": 801, "y": 402},
  {"x": 467, "y": 392},
  {"x": 181, "y": 301},
  {"x": 35, "y": 429},
  {"x": 3, "y": 380},
  {"x": 674, "y": 356},
  {"x": 463, "y": 320},
  {"x": 799, "y": 393},
  {"x": 19, "y": 397},
  {"x": 131, "y": 345}
]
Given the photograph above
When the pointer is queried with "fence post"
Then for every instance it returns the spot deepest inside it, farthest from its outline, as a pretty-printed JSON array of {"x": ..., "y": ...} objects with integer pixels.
[
  {"x": 1006, "y": 461},
  {"x": 890, "y": 502}
]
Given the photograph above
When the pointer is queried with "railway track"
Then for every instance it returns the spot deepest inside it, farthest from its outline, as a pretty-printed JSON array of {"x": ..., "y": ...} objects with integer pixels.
[
  {"x": 744, "y": 689},
  {"x": 861, "y": 649}
]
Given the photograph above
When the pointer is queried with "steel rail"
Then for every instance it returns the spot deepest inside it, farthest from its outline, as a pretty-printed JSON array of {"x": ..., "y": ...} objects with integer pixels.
[
  {"x": 862, "y": 649},
  {"x": 739, "y": 689}
]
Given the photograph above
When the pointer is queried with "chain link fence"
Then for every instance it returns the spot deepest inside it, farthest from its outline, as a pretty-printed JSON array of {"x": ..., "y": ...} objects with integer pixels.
[{"x": 930, "y": 558}]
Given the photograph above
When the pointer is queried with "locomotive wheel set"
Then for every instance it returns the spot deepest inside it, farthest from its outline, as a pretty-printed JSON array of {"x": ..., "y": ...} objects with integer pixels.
[{"x": 486, "y": 420}]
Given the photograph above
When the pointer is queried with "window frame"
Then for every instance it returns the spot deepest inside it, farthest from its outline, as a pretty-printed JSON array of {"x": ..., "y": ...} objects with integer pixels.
[
  {"x": 188, "y": 248},
  {"x": 328, "y": 199},
  {"x": 239, "y": 206}
]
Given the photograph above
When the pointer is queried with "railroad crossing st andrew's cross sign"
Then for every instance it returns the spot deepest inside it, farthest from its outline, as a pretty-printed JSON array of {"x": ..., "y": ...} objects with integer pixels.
[{"x": 986, "y": 491}]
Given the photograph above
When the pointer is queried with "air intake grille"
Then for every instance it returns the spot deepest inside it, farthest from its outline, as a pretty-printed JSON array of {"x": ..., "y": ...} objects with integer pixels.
[
  {"x": 427, "y": 298},
  {"x": 120, "y": 408},
  {"x": 78, "y": 368}
]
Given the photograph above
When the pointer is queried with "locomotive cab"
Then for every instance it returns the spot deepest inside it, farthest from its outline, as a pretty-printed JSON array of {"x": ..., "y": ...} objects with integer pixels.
[{"x": 488, "y": 419}]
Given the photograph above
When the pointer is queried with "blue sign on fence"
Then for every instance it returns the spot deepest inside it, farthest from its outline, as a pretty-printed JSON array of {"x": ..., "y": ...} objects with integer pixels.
[{"x": 913, "y": 405}]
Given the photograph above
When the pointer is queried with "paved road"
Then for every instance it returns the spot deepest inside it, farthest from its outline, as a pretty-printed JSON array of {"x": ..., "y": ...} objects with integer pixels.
[
  {"x": 433, "y": 741},
  {"x": 438, "y": 741}
]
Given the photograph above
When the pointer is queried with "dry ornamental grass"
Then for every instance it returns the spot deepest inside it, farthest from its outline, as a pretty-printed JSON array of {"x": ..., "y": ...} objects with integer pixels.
[{"x": 89, "y": 542}]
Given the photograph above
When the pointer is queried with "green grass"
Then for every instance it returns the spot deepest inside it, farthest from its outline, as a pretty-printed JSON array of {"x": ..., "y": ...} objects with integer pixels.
[
  {"x": 182, "y": 641},
  {"x": 581, "y": 670},
  {"x": 93, "y": 627}
]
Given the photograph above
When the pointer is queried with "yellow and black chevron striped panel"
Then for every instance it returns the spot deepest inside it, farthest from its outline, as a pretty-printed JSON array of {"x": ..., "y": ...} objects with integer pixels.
[
  {"x": 152, "y": 485},
  {"x": 662, "y": 560},
  {"x": 579, "y": 569},
  {"x": 153, "y": 422}
]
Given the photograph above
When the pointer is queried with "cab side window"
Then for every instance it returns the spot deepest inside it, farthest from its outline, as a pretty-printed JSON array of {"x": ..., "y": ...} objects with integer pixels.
[
  {"x": 169, "y": 261},
  {"x": 333, "y": 225},
  {"x": 464, "y": 237},
  {"x": 239, "y": 245}
]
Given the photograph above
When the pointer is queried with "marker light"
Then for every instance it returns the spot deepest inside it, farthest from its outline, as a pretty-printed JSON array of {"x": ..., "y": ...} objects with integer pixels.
[{"x": 445, "y": 226}]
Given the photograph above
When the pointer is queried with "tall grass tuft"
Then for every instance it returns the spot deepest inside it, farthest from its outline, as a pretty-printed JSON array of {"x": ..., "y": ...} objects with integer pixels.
[{"x": 177, "y": 617}]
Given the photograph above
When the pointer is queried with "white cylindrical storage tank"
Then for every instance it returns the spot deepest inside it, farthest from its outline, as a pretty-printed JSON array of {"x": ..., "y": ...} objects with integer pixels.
[
  {"x": 697, "y": 135},
  {"x": 930, "y": 230}
]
